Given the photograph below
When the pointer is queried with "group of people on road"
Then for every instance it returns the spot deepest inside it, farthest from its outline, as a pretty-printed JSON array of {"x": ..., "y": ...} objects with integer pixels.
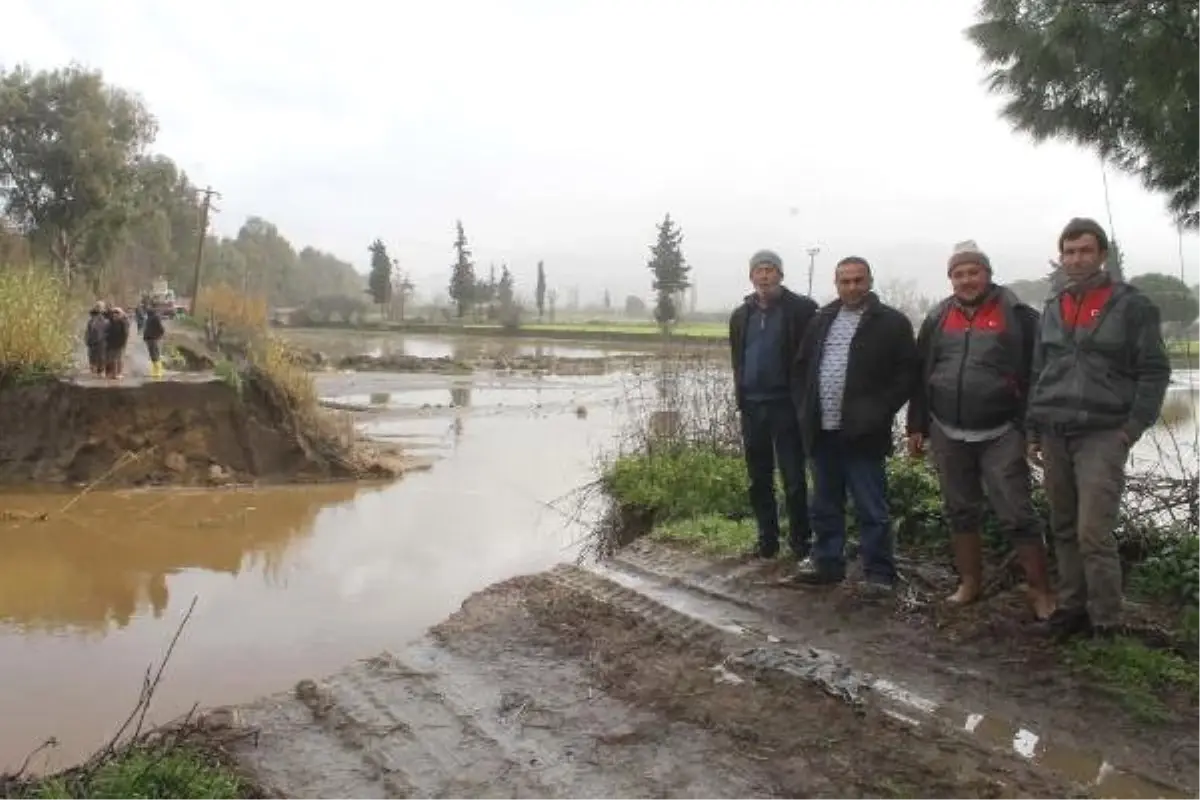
[
  {"x": 991, "y": 386},
  {"x": 106, "y": 336}
]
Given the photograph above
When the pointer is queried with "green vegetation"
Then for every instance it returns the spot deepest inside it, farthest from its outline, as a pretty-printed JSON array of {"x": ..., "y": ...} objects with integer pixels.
[
  {"x": 139, "y": 772},
  {"x": 37, "y": 332},
  {"x": 1055, "y": 61},
  {"x": 1141, "y": 678},
  {"x": 110, "y": 217},
  {"x": 670, "y": 270}
]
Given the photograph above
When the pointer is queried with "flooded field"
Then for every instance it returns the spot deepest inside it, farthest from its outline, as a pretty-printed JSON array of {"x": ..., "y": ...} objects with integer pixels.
[{"x": 295, "y": 581}]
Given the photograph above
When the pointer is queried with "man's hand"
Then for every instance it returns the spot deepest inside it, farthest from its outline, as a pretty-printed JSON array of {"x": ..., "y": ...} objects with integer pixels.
[
  {"x": 1033, "y": 451},
  {"x": 916, "y": 445}
]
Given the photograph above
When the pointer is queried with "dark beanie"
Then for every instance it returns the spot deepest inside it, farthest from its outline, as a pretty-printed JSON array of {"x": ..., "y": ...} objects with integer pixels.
[
  {"x": 968, "y": 252},
  {"x": 769, "y": 257}
]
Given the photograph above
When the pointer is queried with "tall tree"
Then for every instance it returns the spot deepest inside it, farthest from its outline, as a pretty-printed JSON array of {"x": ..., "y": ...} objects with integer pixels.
[
  {"x": 402, "y": 288},
  {"x": 69, "y": 146},
  {"x": 379, "y": 280},
  {"x": 462, "y": 274},
  {"x": 1119, "y": 77},
  {"x": 670, "y": 271},
  {"x": 607, "y": 301},
  {"x": 540, "y": 290},
  {"x": 504, "y": 289}
]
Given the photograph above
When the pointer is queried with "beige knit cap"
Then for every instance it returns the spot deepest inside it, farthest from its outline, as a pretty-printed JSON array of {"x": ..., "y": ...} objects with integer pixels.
[{"x": 968, "y": 252}]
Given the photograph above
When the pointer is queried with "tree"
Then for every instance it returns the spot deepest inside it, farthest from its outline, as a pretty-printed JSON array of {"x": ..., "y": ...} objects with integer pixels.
[
  {"x": 69, "y": 148},
  {"x": 379, "y": 280},
  {"x": 670, "y": 271},
  {"x": 462, "y": 275},
  {"x": 1176, "y": 304},
  {"x": 552, "y": 302},
  {"x": 635, "y": 306},
  {"x": 607, "y": 301},
  {"x": 540, "y": 291},
  {"x": 504, "y": 289},
  {"x": 402, "y": 288},
  {"x": 1119, "y": 77}
]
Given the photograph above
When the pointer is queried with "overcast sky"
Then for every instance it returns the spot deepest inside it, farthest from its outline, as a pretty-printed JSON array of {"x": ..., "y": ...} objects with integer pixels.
[{"x": 564, "y": 130}]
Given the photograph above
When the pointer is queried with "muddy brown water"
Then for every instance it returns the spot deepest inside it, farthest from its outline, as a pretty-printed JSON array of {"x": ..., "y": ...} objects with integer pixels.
[{"x": 292, "y": 582}]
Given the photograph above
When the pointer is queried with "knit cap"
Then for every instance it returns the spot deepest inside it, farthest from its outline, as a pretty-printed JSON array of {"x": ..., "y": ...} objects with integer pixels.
[
  {"x": 968, "y": 252},
  {"x": 769, "y": 257}
]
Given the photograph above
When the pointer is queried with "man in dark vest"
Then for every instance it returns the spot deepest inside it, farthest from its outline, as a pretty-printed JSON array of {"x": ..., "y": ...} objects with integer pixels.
[
  {"x": 1100, "y": 376},
  {"x": 764, "y": 337},
  {"x": 976, "y": 350},
  {"x": 857, "y": 368}
]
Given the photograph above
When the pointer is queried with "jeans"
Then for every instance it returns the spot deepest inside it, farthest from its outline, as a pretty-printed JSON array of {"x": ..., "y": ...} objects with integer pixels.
[
  {"x": 836, "y": 472},
  {"x": 771, "y": 435}
]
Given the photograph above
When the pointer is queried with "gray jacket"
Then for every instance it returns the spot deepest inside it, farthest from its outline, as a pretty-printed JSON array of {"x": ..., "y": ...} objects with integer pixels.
[{"x": 1100, "y": 362}]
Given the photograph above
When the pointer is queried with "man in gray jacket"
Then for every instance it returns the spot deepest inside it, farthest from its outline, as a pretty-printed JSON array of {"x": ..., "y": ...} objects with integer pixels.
[{"x": 1100, "y": 375}]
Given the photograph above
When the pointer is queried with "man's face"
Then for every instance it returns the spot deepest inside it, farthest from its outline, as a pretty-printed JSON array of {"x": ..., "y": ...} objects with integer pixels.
[
  {"x": 766, "y": 279},
  {"x": 853, "y": 281},
  {"x": 969, "y": 282},
  {"x": 1081, "y": 257}
]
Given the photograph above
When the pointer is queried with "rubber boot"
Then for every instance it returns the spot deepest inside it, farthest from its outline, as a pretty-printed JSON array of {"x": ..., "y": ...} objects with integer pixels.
[
  {"x": 1032, "y": 556},
  {"x": 968, "y": 560}
]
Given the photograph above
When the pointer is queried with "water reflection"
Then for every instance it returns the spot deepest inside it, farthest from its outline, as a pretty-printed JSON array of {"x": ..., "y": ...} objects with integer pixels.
[{"x": 106, "y": 561}]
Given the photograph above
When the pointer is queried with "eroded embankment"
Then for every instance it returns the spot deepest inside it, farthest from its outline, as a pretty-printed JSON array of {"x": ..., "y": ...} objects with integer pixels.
[
  {"x": 567, "y": 685},
  {"x": 195, "y": 432}
]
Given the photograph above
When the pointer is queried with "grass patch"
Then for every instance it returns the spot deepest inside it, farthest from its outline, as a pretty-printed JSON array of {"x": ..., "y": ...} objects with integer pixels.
[
  {"x": 1139, "y": 677},
  {"x": 679, "y": 484},
  {"x": 183, "y": 772},
  {"x": 713, "y": 330},
  {"x": 709, "y": 534},
  {"x": 37, "y": 332}
]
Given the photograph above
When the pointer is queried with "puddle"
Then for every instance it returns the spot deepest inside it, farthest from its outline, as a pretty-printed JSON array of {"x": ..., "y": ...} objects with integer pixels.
[
  {"x": 292, "y": 582},
  {"x": 827, "y": 670}
]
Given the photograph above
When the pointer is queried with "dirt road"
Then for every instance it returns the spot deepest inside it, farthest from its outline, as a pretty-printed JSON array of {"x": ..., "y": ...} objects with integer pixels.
[{"x": 630, "y": 681}]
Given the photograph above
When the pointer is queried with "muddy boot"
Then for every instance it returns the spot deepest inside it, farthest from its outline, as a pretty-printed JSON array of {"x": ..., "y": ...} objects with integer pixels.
[
  {"x": 1032, "y": 556},
  {"x": 968, "y": 560}
]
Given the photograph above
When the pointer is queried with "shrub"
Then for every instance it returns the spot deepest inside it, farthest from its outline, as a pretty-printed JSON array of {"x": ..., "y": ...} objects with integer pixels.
[{"x": 37, "y": 331}]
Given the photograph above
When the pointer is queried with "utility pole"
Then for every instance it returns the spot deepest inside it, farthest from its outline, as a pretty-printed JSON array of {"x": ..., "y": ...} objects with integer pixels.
[
  {"x": 812, "y": 265},
  {"x": 205, "y": 208}
]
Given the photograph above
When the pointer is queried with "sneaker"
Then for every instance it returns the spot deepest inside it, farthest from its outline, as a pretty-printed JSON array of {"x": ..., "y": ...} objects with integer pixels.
[{"x": 809, "y": 574}]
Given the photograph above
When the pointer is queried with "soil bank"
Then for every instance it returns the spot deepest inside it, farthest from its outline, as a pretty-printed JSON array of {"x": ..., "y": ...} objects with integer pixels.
[{"x": 188, "y": 430}]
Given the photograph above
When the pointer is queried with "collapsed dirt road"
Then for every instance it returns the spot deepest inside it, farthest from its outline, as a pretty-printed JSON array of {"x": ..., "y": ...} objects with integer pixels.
[{"x": 609, "y": 683}]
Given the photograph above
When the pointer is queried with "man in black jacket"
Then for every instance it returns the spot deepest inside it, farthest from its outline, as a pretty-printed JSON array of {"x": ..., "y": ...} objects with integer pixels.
[
  {"x": 976, "y": 349},
  {"x": 764, "y": 337},
  {"x": 857, "y": 368}
]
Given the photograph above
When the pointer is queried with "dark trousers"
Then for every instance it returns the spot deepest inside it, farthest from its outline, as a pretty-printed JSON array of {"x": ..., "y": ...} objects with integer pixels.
[
  {"x": 770, "y": 436},
  {"x": 837, "y": 472}
]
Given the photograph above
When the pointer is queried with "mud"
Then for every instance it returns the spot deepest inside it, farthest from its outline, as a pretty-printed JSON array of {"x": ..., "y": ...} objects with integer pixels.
[
  {"x": 564, "y": 685},
  {"x": 197, "y": 431},
  {"x": 978, "y": 669}
]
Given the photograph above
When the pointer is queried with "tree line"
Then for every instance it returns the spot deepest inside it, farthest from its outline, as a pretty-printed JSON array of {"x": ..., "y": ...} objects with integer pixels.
[{"x": 81, "y": 189}]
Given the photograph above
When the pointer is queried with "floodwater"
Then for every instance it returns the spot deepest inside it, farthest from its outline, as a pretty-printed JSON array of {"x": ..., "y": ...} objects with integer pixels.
[
  {"x": 340, "y": 343},
  {"x": 292, "y": 582}
]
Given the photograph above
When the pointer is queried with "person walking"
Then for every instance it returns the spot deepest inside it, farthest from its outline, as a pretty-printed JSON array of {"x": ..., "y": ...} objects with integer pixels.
[
  {"x": 765, "y": 332},
  {"x": 976, "y": 351},
  {"x": 1100, "y": 376},
  {"x": 857, "y": 368},
  {"x": 116, "y": 337},
  {"x": 95, "y": 334},
  {"x": 152, "y": 335}
]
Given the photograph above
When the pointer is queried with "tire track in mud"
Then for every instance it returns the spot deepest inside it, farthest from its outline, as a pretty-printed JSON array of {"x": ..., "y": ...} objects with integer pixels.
[
  {"x": 674, "y": 576},
  {"x": 578, "y": 682}
]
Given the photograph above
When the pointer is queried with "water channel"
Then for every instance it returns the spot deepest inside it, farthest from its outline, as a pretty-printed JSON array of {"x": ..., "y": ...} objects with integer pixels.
[{"x": 292, "y": 582}]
